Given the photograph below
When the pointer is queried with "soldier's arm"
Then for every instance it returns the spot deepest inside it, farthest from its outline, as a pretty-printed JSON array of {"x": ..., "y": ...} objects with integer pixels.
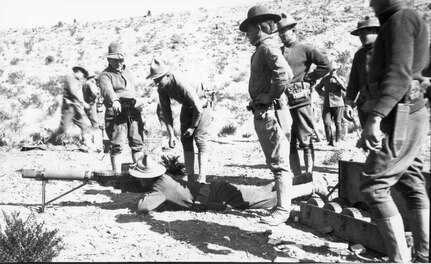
[
  {"x": 352, "y": 86},
  {"x": 398, "y": 70},
  {"x": 281, "y": 73},
  {"x": 191, "y": 97},
  {"x": 165, "y": 104},
  {"x": 323, "y": 66},
  {"x": 151, "y": 201},
  {"x": 106, "y": 89}
]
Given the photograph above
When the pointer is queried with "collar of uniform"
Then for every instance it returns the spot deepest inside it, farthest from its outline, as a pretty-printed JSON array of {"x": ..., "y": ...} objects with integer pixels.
[
  {"x": 291, "y": 44},
  {"x": 394, "y": 7},
  {"x": 261, "y": 40},
  {"x": 117, "y": 71},
  {"x": 369, "y": 46}
]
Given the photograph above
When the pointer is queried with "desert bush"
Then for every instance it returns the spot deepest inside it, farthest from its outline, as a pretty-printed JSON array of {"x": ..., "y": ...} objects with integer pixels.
[
  {"x": 333, "y": 158},
  {"x": 59, "y": 24},
  {"x": 53, "y": 86},
  {"x": 79, "y": 40},
  {"x": 227, "y": 130},
  {"x": 117, "y": 30},
  {"x": 343, "y": 57},
  {"x": 177, "y": 39},
  {"x": 173, "y": 166},
  {"x": 348, "y": 9},
  {"x": 16, "y": 77},
  {"x": 49, "y": 59},
  {"x": 14, "y": 61},
  {"x": 240, "y": 77},
  {"x": 27, "y": 241},
  {"x": 28, "y": 45}
]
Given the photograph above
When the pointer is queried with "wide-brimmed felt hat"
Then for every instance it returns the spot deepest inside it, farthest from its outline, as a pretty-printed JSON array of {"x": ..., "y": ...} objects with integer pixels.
[
  {"x": 115, "y": 51},
  {"x": 83, "y": 69},
  {"x": 258, "y": 12},
  {"x": 286, "y": 21},
  {"x": 157, "y": 69},
  {"x": 367, "y": 22},
  {"x": 146, "y": 168}
]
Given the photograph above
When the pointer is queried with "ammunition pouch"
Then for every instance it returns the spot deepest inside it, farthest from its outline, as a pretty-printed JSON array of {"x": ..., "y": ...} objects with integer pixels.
[{"x": 298, "y": 93}]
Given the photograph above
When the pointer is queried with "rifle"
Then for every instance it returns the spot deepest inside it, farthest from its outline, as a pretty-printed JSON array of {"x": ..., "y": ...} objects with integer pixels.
[{"x": 123, "y": 181}]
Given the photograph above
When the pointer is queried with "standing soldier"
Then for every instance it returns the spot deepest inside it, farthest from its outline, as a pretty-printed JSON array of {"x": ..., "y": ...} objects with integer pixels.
[
  {"x": 367, "y": 30},
  {"x": 195, "y": 115},
  {"x": 269, "y": 77},
  {"x": 396, "y": 129},
  {"x": 300, "y": 57},
  {"x": 122, "y": 118},
  {"x": 332, "y": 90},
  {"x": 72, "y": 109}
]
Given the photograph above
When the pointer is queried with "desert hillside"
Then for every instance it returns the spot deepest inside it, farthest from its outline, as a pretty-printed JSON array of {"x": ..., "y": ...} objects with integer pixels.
[{"x": 205, "y": 43}]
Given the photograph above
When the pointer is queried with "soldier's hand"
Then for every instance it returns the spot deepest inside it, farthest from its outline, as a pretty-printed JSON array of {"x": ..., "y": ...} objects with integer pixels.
[
  {"x": 86, "y": 106},
  {"x": 117, "y": 107},
  {"x": 189, "y": 132},
  {"x": 348, "y": 112},
  {"x": 263, "y": 99},
  {"x": 372, "y": 134},
  {"x": 172, "y": 142}
]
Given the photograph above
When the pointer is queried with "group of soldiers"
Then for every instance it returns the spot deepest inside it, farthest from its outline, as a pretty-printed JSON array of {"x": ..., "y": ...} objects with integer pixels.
[{"x": 385, "y": 86}]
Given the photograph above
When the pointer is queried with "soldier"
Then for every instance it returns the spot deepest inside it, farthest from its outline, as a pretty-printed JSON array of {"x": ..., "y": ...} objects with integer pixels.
[
  {"x": 161, "y": 189},
  {"x": 195, "y": 115},
  {"x": 91, "y": 94},
  {"x": 122, "y": 118},
  {"x": 72, "y": 109},
  {"x": 300, "y": 58},
  {"x": 395, "y": 130},
  {"x": 367, "y": 30},
  {"x": 332, "y": 90},
  {"x": 269, "y": 77}
]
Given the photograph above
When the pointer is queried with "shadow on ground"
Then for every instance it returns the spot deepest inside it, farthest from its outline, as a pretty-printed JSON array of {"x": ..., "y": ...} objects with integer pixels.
[{"x": 241, "y": 180}]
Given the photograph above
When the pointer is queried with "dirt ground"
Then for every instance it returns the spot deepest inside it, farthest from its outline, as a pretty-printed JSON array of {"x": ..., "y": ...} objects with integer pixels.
[{"x": 100, "y": 224}]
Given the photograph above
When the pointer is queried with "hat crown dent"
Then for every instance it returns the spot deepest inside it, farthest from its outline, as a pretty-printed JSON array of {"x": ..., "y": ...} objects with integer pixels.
[
  {"x": 286, "y": 21},
  {"x": 115, "y": 48},
  {"x": 368, "y": 22},
  {"x": 157, "y": 68}
]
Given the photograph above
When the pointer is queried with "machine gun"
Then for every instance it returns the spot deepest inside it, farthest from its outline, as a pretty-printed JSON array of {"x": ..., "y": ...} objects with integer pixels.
[{"x": 123, "y": 181}]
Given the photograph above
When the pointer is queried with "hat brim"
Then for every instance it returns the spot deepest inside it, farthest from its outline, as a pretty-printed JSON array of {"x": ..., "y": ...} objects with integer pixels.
[
  {"x": 290, "y": 26},
  {"x": 244, "y": 24},
  {"x": 356, "y": 31},
  {"x": 156, "y": 171},
  {"x": 155, "y": 76},
  {"x": 115, "y": 56},
  {"x": 84, "y": 71}
]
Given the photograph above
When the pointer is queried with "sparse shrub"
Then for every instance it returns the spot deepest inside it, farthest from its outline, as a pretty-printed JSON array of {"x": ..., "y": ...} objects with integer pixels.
[
  {"x": 329, "y": 44},
  {"x": 81, "y": 54},
  {"x": 348, "y": 9},
  {"x": 72, "y": 30},
  {"x": 53, "y": 86},
  {"x": 16, "y": 77},
  {"x": 27, "y": 241},
  {"x": 59, "y": 24},
  {"x": 343, "y": 57},
  {"x": 333, "y": 158},
  {"x": 117, "y": 30},
  {"x": 221, "y": 63},
  {"x": 79, "y": 40},
  {"x": 177, "y": 39},
  {"x": 49, "y": 59},
  {"x": 240, "y": 77},
  {"x": 28, "y": 45},
  {"x": 227, "y": 130},
  {"x": 14, "y": 61},
  {"x": 173, "y": 166},
  {"x": 246, "y": 135}
]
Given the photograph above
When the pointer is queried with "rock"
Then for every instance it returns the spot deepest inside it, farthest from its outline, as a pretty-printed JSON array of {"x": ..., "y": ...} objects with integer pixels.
[
  {"x": 285, "y": 259},
  {"x": 226, "y": 238},
  {"x": 291, "y": 250},
  {"x": 339, "y": 245}
]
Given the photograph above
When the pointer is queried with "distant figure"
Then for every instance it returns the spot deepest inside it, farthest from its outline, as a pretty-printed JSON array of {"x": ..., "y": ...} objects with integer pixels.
[
  {"x": 300, "y": 58},
  {"x": 72, "y": 109},
  {"x": 367, "y": 30},
  {"x": 122, "y": 119},
  {"x": 333, "y": 105},
  {"x": 148, "y": 13},
  {"x": 195, "y": 115}
]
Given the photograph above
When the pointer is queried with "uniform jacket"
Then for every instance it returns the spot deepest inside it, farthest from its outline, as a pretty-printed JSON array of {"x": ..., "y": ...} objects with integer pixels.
[
  {"x": 300, "y": 58},
  {"x": 72, "y": 90},
  {"x": 358, "y": 73},
  {"x": 184, "y": 92},
  {"x": 401, "y": 53},
  {"x": 90, "y": 91},
  {"x": 270, "y": 73},
  {"x": 332, "y": 91},
  {"x": 116, "y": 84}
]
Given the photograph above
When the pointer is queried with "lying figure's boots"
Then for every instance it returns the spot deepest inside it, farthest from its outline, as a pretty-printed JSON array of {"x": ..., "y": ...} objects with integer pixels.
[{"x": 277, "y": 217}]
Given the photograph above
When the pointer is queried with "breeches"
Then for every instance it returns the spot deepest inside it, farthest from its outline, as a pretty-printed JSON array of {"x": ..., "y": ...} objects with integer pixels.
[{"x": 201, "y": 133}]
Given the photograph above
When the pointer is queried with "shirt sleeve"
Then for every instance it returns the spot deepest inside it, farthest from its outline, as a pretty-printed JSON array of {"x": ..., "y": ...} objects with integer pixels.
[
  {"x": 323, "y": 66},
  {"x": 191, "y": 98},
  {"x": 352, "y": 86},
  {"x": 165, "y": 104},
  {"x": 399, "y": 61},
  {"x": 75, "y": 88},
  {"x": 281, "y": 73},
  {"x": 106, "y": 88},
  {"x": 151, "y": 201}
]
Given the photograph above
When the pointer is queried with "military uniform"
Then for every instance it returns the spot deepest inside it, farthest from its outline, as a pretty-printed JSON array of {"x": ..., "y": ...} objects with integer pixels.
[
  {"x": 300, "y": 57},
  {"x": 333, "y": 105},
  {"x": 401, "y": 52}
]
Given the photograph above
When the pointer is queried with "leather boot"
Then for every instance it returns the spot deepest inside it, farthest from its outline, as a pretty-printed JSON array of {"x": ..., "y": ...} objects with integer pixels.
[
  {"x": 283, "y": 185},
  {"x": 392, "y": 231},
  {"x": 295, "y": 164},
  {"x": 328, "y": 134},
  {"x": 308, "y": 161},
  {"x": 203, "y": 163},
  {"x": 189, "y": 162},
  {"x": 420, "y": 224},
  {"x": 116, "y": 164}
]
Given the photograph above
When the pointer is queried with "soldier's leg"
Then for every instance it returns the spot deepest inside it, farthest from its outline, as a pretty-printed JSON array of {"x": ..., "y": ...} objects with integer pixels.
[
  {"x": 135, "y": 134},
  {"x": 294, "y": 161},
  {"x": 116, "y": 130},
  {"x": 337, "y": 113},
  {"x": 78, "y": 119},
  {"x": 305, "y": 133},
  {"x": 201, "y": 136},
  {"x": 187, "y": 142},
  {"x": 326, "y": 116},
  {"x": 275, "y": 147},
  {"x": 67, "y": 114}
]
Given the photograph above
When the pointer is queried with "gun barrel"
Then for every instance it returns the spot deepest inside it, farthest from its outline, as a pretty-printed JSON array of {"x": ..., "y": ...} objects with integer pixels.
[{"x": 57, "y": 175}]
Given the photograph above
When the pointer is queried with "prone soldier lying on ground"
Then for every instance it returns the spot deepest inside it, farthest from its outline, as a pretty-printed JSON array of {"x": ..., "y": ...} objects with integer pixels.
[{"x": 162, "y": 189}]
